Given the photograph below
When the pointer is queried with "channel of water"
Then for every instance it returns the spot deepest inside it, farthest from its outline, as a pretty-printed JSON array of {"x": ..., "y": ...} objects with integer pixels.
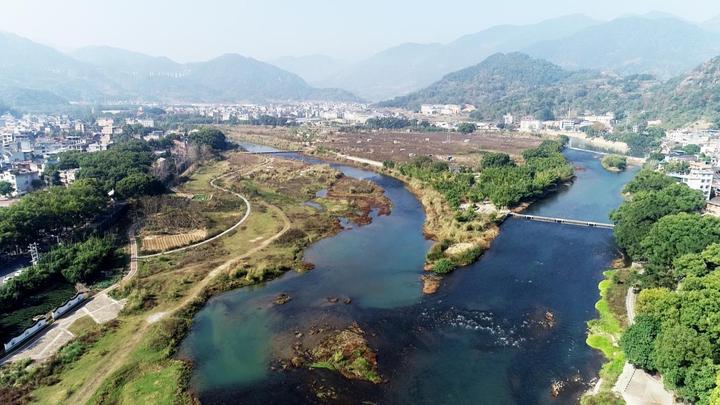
[{"x": 481, "y": 339}]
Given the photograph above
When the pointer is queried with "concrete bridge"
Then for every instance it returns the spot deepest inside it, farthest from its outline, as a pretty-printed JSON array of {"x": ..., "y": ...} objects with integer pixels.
[{"x": 576, "y": 222}]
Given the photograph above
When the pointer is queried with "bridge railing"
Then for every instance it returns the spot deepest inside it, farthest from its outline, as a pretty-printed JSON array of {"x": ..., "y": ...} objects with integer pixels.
[{"x": 566, "y": 221}]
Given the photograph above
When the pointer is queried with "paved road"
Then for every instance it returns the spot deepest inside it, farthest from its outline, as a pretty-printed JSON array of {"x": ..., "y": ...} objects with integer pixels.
[
  {"x": 635, "y": 385},
  {"x": 101, "y": 308},
  {"x": 630, "y": 299}
]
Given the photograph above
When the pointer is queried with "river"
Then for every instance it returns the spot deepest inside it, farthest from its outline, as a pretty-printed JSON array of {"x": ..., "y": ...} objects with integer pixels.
[{"x": 483, "y": 338}]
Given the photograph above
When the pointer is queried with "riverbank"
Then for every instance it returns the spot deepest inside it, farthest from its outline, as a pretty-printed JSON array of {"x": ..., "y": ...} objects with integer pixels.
[
  {"x": 487, "y": 329},
  {"x": 168, "y": 290},
  {"x": 461, "y": 234},
  {"x": 604, "y": 336}
]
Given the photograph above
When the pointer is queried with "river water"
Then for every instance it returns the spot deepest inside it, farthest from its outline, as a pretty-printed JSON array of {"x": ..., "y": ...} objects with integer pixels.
[{"x": 482, "y": 339}]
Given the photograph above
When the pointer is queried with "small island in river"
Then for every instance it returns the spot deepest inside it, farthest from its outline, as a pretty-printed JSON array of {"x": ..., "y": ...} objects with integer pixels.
[{"x": 614, "y": 163}]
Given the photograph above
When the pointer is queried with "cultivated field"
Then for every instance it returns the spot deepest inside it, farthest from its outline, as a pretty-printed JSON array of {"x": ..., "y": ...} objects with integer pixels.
[{"x": 160, "y": 243}]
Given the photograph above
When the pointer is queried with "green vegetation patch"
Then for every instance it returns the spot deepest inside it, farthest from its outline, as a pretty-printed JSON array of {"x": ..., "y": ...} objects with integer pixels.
[
  {"x": 614, "y": 163},
  {"x": 604, "y": 334}
]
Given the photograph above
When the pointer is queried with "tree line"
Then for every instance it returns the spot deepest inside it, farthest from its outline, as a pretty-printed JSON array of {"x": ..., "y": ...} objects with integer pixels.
[
  {"x": 677, "y": 327},
  {"x": 58, "y": 211},
  {"x": 498, "y": 178}
]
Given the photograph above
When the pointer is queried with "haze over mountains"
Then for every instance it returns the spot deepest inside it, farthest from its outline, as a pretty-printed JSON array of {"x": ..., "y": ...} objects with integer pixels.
[
  {"x": 31, "y": 73},
  {"x": 655, "y": 43},
  {"x": 520, "y": 84},
  {"x": 658, "y": 44}
]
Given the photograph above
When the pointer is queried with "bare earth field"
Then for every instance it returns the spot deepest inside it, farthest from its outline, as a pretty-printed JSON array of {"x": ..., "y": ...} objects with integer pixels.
[
  {"x": 402, "y": 146},
  {"x": 398, "y": 146}
]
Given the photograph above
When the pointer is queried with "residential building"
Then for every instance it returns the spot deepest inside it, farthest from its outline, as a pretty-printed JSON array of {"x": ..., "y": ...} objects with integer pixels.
[
  {"x": 700, "y": 177},
  {"x": 20, "y": 179},
  {"x": 529, "y": 124}
]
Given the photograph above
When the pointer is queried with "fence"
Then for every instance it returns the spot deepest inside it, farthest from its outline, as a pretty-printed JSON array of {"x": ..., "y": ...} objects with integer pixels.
[
  {"x": 68, "y": 306},
  {"x": 41, "y": 324},
  {"x": 27, "y": 334}
]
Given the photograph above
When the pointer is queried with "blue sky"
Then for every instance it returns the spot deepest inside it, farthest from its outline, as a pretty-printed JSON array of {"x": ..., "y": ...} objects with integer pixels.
[{"x": 188, "y": 30}]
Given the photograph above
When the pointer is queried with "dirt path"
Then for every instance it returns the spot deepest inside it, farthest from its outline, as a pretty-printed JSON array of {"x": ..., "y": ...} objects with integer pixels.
[
  {"x": 90, "y": 386},
  {"x": 225, "y": 232}
]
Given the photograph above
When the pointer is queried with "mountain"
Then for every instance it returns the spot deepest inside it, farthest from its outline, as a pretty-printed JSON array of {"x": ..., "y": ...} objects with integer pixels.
[
  {"x": 126, "y": 62},
  {"x": 312, "y": 68},
  {"x": 30, "y": 71},
  {"x": 392, "y": 71},
  {"x": 712, "y": 24},
  {"x": 519, "y": 84},
  {"x": 408, "y": 67},
  {"x": 232, "y": 77},
  {"x": 29, "y": 65},
  {"x": 690, "y": 97},
  {"x": 657, "y": 45}
]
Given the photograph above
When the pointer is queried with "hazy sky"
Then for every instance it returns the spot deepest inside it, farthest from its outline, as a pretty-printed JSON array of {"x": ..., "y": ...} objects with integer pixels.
[{"x": 188, "y": 30}]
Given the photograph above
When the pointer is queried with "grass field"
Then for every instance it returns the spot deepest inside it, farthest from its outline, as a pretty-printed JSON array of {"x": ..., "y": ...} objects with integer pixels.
[
  {"x": 604, "y": 335},
  {"x": 133, "y": 363}
]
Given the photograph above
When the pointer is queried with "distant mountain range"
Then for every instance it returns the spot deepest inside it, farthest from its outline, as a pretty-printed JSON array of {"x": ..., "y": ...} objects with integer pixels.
[
  {"x": 580, "y": 47},
  {"x": 520, "y": 84},
  {"x": 655, "y": 43},
  {"x": 407, "y": 67},
  {"x": 31, "y": 74},
  {"x": 661, "y": 46}
]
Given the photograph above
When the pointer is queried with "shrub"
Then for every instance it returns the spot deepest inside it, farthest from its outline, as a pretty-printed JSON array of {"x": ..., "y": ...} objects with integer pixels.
[{"x": 443, "y": 266}]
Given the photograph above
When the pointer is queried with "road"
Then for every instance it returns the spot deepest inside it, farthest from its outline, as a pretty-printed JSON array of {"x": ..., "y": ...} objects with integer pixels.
[
  {"x": 121, "y": 354},
  {"x": 635, "y": 385},
  {"x": 225, "y": 232},
  {"x": 101, "y": 307},
  {"x": 218, "y": 236},
  {"x": 630, "y": 299}
]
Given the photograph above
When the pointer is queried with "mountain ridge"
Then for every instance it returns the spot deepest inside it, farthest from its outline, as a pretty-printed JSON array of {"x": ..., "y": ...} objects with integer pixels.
[{"x": 106, "y": 73}]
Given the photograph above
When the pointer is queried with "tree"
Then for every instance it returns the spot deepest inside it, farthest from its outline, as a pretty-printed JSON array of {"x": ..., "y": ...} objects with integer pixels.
[
  {"x": 79, "y": 262},
  {"x": 636, "y": 216},
  {"x": 638, "y": 342},
  {"x": 137, "y": 184},
  {"x": 50, "y": 212},
  {"x": 679, "y": 234},
  {"x": 691, "y": 264},
  {"x": 6, "y": 189},
  {"x": 493, "y": 159},
  {"x": 648, "y": 180},
  {"x": 676, "y": 166},
  {"x": 467, "y": 128},
  {"x": 680, "y": 354},
  {"x": 691, "y": 149},
  {"x": 212, "y": 137},
  {"x": 443, "y": 266},
  {"x": 614, "y": 162}
]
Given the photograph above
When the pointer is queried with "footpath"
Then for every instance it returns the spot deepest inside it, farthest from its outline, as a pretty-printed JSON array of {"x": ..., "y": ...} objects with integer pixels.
[{"x": 636, "y": 386}]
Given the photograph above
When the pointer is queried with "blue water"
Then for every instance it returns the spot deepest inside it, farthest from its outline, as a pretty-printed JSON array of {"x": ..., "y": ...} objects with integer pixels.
[{"x": 480, "y": 339}]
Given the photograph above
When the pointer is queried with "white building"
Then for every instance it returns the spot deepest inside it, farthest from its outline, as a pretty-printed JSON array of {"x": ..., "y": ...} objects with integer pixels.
[
  {"x": 508, "y": 119},
  {"x": 529, "y": 124},
  {"x": 608, "y": 120},
  {"x": 105, "y": 122},
  {"x": 68, "y": 176},
  {"x": 20, "y": 180},
  {"x": 699, "y": 178},
  {"x": 440, "y": 109}
]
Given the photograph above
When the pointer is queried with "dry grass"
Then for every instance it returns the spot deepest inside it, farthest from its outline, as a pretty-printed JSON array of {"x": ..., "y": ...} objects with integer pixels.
[{"x": 160, "y": 243}]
